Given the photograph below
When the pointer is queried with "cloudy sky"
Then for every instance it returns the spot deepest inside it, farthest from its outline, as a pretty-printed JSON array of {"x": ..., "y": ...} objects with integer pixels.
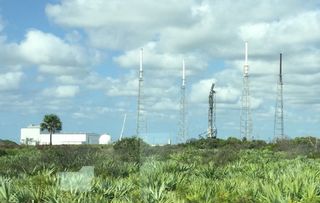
[{"x": 79, "y": 59}]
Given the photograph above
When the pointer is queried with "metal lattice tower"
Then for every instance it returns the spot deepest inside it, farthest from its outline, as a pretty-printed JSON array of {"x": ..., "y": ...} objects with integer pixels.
[
  {"x": 245, "y": 117},
  {"x": 183, "y": 111},
  {"x": 141, "y": 113},
  {"x": 278, "y": 121},
  {"x": 212, "y": 129}
]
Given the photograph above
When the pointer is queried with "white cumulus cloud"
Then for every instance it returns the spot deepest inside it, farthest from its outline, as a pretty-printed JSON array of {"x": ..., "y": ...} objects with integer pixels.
[
  {"x": 63, "y": 91},
  {"x": 10, "y": 80},
  {"x": 47, "y": 49}
]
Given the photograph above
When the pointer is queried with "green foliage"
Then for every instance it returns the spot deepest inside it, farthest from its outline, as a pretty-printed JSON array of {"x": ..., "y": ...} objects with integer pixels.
[
  {"x": 3, "y": 152},
  {"x": 6, "y": 194},
  {"x": 225, "y": 156},
  {"x": 68, "y": 157},
  {"x": 131, "y": 171},
  {"x": 205, "y": 143},
  {"x": 52, "y": 123},
  {"x": 8, "y": 144},
  {"x": 130, "y": 149}
]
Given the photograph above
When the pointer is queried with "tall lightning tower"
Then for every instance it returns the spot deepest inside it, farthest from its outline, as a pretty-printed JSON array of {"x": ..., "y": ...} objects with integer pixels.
[
  {"x": 278, "y": 121},
  {"x": 183, "y": 110},
  {"x": 245, "y": 117},
  {"x": 141, "y": 117},
  {"x": 212, "y": 129}
]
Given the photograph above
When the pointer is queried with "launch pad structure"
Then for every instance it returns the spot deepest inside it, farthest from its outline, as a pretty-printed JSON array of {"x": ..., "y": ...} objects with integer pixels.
[
  {"x": 246, "y": 124},
  {"x": 212, "y": 129}
]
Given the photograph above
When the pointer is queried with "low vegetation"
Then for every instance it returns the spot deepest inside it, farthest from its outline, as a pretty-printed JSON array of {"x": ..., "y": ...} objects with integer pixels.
[{"x": 204, "y": 170}]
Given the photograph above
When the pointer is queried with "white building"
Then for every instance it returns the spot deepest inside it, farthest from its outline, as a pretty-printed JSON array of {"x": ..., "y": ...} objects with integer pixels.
[{"x": 32, "y": 135}]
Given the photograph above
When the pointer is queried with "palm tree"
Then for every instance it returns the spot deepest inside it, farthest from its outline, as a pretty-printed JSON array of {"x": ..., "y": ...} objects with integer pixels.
[{"x": 52, "y": 123}]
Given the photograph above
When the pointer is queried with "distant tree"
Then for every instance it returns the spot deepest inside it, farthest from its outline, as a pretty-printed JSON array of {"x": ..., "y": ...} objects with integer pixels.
[{"x": 52, "y": 123}]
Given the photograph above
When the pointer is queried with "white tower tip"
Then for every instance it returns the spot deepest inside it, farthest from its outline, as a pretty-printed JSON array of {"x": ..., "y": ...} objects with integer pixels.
[
  {"x": 246, "y": 53},
  {"x": 246, "y": 65},
  {"x": 141, "y": 61},
  {"x": 183, "y": 73}
]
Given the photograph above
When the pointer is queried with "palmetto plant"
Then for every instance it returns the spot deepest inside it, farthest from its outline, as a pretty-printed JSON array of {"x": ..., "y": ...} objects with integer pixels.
[
  {"x": 257, "y": 176},
  {"x": 6, "y": 193}
]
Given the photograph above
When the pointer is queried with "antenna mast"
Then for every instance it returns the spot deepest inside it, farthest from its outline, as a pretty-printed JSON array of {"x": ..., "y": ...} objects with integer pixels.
[
  {"x": 279, "y": 121},
  {"x": 123, "y": 124},
  {"x": 245, "y": 117},
  {"x": 183, "y": 112},
  {"x": 212, "y": 129},
  {"x": 141, "y": 120}
]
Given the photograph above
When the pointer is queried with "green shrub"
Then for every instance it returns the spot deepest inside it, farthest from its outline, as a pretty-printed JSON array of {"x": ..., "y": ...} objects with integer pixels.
[
  {"x": 225, "y": 156},
  {"x": 205, "y": 143},
  {"x": 3, "y": 152},
  {"x": 130, "y": 149},
  {"x": 69, "y": 157}
]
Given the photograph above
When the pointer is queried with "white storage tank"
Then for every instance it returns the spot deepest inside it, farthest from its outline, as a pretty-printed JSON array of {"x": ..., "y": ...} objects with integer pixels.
[{"x": 105, "y": 139}]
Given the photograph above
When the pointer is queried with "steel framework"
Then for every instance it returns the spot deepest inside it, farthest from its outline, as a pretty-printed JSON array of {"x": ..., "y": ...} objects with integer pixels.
[
  {"x": 183, "y": 110},
  {"x": 245, "y": 117},
  {"x": 141, "y": 113},
  {"x": 278, "y": 120}
]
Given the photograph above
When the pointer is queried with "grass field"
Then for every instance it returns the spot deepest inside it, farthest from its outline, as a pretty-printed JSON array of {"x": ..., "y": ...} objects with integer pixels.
[{"x": 199, "y": 171}]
